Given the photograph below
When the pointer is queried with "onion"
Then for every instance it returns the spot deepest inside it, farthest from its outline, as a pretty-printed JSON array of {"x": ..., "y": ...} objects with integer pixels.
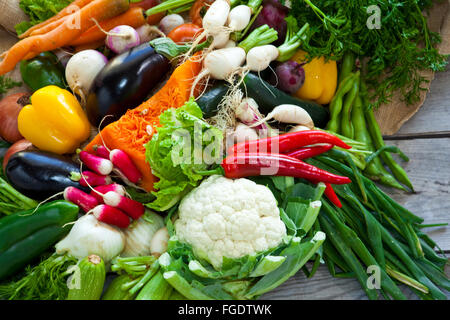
[
  {"x": 147, "y": 33},
  {"x": 140, "y": 234},
  {"x": 90, "y": 236},
  {"x": 122, "y": 38},
  {"x": 170, "y": 22},
  {"x": 9, "y": 111},
  {"x": 16, "y": 147}
]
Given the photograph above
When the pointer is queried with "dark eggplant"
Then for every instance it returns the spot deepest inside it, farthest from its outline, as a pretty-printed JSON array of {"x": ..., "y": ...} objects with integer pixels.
[
  {"x": 40, "y": 175},
  {"x": 125, "y": 82}
]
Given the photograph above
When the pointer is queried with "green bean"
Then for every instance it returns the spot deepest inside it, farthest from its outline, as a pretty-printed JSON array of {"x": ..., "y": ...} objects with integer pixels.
[
  {"x": 436, "y": 275},
  {"x": 353, "y": 241},
  {"x": 403, "y": 278},
  {"x": 346, "y": 123},
  {"x": 375, "y": 132},
  {"x": 412, "y": 267},
  {"x": 406, "y": 228},
  {"x": 337, "y": 103},
  {"x": 332, "y": 255},
  {"x": 372, "y": 233},
  {"x": 343, "y": 169},
  {"x": 374, "y": 169},
  {"x": 348, "y": 255},
  {"x": 348, "y": 62}
]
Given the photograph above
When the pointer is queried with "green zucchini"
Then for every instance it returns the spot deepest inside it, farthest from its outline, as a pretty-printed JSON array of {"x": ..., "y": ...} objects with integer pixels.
[
  {"x": 91, "y": 279},
  {"x": 209, "y": 101},
  {"x": 114, "y": 290},
  {"x": 268, "y": 97},
  {"x": 156, "y": 289}
]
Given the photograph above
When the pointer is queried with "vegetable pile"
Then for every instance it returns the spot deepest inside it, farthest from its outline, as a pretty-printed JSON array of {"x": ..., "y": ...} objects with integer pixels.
[{"x": 198, "y": 150}]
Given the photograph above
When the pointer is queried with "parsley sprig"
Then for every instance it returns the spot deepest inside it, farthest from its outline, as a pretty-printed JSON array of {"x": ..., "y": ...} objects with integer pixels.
[{"x": 395, "y": 54}]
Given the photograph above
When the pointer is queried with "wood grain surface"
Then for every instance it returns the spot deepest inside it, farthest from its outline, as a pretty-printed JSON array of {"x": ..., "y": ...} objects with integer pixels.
[{"x": 425, "y": 138}]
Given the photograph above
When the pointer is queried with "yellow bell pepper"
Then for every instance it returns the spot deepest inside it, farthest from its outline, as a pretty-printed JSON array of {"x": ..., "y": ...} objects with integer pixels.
[
  {"x": 54, "y": 121},
  {"x": 320, "y": 79}
]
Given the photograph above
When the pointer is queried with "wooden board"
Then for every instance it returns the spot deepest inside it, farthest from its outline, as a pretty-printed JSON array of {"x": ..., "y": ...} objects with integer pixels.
[
  {"x": 434, "y": 115},
  {"x": 425, "y": 138},
  {"x": 324, "y": 287}
]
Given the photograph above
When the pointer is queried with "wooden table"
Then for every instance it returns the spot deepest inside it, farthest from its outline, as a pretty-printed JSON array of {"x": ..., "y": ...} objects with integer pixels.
[{"x": 425, "y": 138}]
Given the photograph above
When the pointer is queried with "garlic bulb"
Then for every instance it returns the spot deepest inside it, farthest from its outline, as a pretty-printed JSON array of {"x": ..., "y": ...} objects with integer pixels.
[
  {"x": 139, "y": 235},
  {"x": 90, "y": 236}
]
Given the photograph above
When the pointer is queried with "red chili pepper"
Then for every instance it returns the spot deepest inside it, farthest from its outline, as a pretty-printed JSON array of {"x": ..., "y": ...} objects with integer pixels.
[
  {"x": 309, "y": 152},
  {"x": 332, "y": 196},
  {"x": 250, "y": 164},
  {"x": 287, "y": 142}
]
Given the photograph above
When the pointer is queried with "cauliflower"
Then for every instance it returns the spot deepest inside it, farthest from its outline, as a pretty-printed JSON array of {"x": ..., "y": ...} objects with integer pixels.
[{"x": 232, "y": 218}]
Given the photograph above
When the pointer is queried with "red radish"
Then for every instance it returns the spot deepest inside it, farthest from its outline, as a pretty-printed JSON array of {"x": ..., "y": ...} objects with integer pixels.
[
  {"x": 99, "y": 165},
  {"x": 101, "y": 151},
  {"x": 132, "y": 208},
  {"x": 89, "y": 178},
  {"x": 123, "y": 162},
  {"x": 99, "y": 191},
  {"x": 110, "y": 215},
  {"x": 85, "y": 201}
]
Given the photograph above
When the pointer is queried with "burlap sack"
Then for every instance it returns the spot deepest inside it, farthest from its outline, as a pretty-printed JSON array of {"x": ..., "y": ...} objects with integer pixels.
[
  {"x": 390, "y": 117},
  {"x": 393, "y": 115}
]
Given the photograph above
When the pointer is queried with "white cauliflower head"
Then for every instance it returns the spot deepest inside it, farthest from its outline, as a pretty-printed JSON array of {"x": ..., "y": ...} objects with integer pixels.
[{"x": 232, "y": 218}]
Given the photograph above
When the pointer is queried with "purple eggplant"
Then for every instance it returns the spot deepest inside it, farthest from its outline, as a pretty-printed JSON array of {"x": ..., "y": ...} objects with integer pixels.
[
  {"x": 125, "y": 82},
  {"x": 40, "y": 175}
]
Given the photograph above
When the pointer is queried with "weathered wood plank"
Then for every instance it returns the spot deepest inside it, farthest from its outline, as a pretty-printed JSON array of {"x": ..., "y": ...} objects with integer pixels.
[
  {"x": 434, "y": 114},
  {"x": 324, "y": 287},
  {"x": 429, "y": 171}
]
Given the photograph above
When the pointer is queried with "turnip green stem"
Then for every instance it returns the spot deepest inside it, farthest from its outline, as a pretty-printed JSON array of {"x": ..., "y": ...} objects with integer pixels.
[
  {"x": 259, "y": 37},
  {"x": 288, "y": 48},
  {"x": 254, "y": 4}
]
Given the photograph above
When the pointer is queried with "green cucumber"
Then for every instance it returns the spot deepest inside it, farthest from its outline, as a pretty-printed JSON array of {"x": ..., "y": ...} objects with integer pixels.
[
  {"x": 268, "y": 97},
  {"x": 209, "y": 101},
  {"x": 91, "y": 279},
  {"x": 156, "y": 289}
]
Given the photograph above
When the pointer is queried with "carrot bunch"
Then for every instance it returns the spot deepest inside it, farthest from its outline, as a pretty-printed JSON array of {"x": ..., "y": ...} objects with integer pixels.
[{"x": 61, "y": 29}]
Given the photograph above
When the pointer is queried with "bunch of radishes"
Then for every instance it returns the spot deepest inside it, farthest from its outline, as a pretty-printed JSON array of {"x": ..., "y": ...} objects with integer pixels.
[
  {"x": 228, "y": 58},
  {"x": 107, "y": 201}
]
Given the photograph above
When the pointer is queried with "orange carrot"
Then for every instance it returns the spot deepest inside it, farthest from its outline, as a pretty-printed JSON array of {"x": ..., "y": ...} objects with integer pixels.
[
  {"x": 130, "y": 133},
  {"x": 154, "y": 19},
  {"x": 49, "y": 27},
  {"x": 134, "y": 17},
  {"x": 63, "y": 13},
  {"x": 97, "y": 10}
]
